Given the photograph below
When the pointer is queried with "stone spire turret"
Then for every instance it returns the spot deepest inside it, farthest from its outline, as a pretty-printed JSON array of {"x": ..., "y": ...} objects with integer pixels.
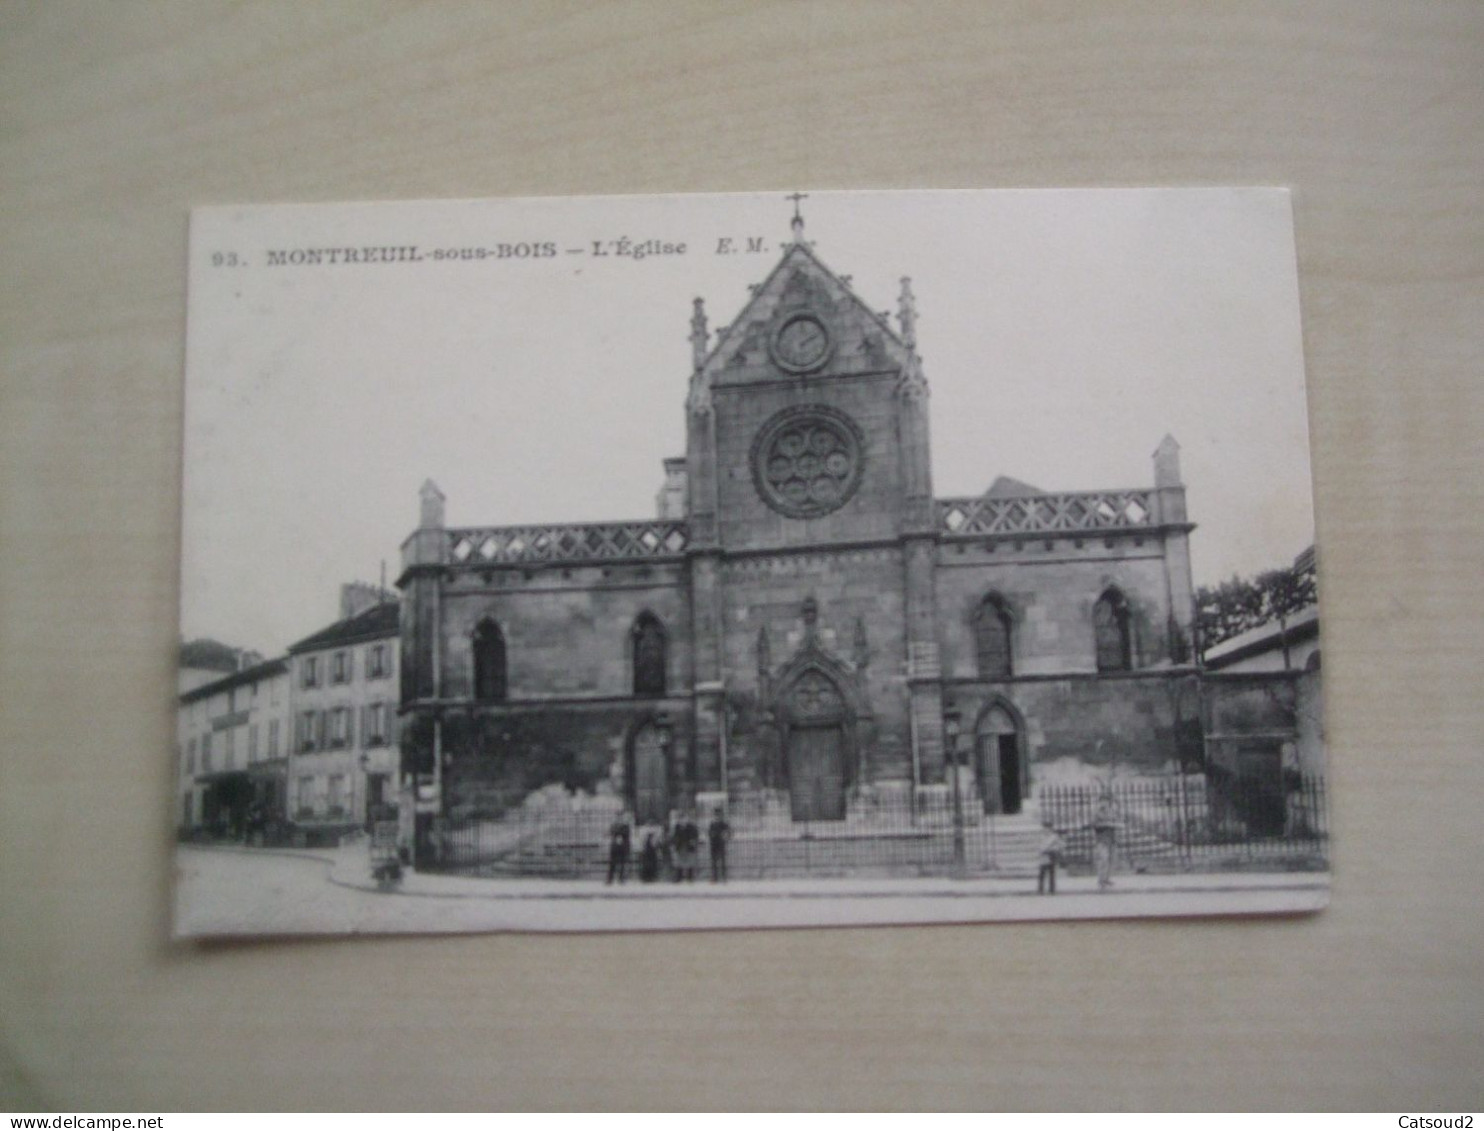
[
  {"x": 907, "y": 313},
  {"x": 698, "y": 334},
  {"x": 430, "y": 501},
  {"x": 1167, "y": 463}
]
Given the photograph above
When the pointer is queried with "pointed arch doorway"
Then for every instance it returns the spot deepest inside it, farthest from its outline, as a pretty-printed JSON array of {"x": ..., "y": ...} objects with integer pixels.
[
  {"x": 817, "y": 752},
  {"x": 999, "y": 761},
  {"x": 649, "y": 778}
]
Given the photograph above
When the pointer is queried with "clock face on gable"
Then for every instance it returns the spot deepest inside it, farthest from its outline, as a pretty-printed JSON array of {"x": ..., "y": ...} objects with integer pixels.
[{"x": 801, "y": 343}]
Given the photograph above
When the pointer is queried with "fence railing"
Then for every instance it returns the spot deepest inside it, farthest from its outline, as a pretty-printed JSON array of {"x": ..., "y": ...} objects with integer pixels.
[
  {"x": 567, "y": 542},
  {"x": 1194, "y": 818},
  {"x": 1164, "y": 823},
  {"x": 1077, "y": 511}
]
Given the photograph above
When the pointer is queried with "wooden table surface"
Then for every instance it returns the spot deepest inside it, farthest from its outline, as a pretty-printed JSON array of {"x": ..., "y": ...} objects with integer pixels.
[{"x": 115, "y": 119}]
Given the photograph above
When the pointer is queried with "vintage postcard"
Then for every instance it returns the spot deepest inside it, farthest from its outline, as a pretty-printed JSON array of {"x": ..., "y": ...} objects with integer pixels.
[{"x": 779, "y": 559}]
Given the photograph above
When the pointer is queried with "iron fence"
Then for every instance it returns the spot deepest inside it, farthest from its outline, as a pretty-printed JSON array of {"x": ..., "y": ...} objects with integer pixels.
[
  {"x": 1194, "y": 819},
  {"x": 1164, "y": 822}
]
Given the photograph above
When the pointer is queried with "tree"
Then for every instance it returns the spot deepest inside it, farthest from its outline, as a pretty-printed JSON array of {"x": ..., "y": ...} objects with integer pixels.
[{"x": 1237, "y": 605}]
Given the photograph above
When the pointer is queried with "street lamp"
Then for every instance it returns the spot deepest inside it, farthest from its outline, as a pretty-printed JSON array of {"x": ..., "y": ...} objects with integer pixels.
[
  {"x": 364, "y": 761},
  {"x": 665, "y": 728},
  {"x": 950, "y": 734}
]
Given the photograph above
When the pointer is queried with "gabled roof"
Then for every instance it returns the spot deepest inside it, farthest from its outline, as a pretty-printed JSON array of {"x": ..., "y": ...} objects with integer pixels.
[
  {"x": 375, "y": 623},
  {"x": 765, "y": 296},
  {"x": 254, "y": 674}
]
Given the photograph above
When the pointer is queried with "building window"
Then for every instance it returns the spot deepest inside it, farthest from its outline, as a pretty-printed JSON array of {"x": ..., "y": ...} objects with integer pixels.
[
  {"x": 337, "y": 800},
  {"x": 304, "y": 801},
  {"x": 992, "y": 638},
  {"x": 1111, "y": 632},
  {"x": 273, "y": 738},
  {"x": 231, "y": 741},
  {"x": 374, "y": 727},
  {"x": 649, "y": 655},
  {"x": 340, "y": 667},
  {"x": 489, "y": 663},
  {"x": 378, "y": 664},
  {"x": 310, "y": 669},
  {"x": 340, "y": 735},
  {"x": 206, "y": 753},
  {"x": 306, "y": 731}
]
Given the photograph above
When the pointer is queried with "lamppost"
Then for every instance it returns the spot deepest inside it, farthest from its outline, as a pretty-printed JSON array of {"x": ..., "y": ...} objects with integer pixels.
[
  {"x": 364, "y": 761},
  {"x": 665, "y": 728},
  {"x": 950, "y": 734}
]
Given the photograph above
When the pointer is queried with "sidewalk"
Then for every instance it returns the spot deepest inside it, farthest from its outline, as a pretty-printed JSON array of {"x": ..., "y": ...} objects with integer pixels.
[{"x": 352, "y": 869}]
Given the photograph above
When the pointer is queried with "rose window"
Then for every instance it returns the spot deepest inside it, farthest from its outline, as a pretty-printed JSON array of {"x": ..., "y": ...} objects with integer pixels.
[{"x": 807, "y": 461}]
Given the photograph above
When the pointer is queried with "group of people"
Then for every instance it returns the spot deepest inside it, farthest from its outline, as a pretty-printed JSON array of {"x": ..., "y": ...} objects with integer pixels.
[{"x": 671, "y": 851}]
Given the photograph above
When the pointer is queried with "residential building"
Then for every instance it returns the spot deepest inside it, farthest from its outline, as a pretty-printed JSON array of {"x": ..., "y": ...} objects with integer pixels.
[
  {"x": 344, "y": 738},
  {"x": 232, "y": 745}
]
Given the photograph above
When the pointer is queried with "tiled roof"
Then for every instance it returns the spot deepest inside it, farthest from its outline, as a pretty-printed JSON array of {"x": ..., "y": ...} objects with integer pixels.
[
  {"x": 376, "y": 622},
  {"x": 237, "y": 679}
]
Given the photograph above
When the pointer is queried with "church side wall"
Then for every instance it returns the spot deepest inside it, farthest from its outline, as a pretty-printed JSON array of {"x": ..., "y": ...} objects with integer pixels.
[
  {"x": 1050, "y": 595},
  {"x": 566, "y": 630},
  {"x": 1077, "y": 728},
  {"x": 570, "y": 712}
]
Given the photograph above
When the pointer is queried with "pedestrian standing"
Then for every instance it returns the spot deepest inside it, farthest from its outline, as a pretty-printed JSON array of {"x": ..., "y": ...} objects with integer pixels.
[
  {"x": 718, "y": 833},
  {"x": 649, "y": 860},
  {"x": 687, "y": 848},
  {"x": 1052, "y": 847},
  {"x": 619, "y": 841}
]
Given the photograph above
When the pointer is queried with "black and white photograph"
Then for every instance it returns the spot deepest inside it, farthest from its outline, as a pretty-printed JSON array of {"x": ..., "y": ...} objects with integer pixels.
[{"x": 793, "y": 558}]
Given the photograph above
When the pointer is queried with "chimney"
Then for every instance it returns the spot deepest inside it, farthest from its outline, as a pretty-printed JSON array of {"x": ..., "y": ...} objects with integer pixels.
[{"x": 358, "y": 596}]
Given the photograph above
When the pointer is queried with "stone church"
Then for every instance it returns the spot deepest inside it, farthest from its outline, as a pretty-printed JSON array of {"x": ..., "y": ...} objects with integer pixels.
[{"x": 794, "y": 628}]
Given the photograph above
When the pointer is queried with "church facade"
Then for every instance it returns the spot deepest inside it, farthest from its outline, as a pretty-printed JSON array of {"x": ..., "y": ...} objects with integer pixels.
[{"x": 804, "y": 626}]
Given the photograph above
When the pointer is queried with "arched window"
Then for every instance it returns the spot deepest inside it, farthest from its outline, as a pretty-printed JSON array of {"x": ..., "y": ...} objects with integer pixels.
[
  {"x": 1110, "y": 630},
  {"x": 489, "y": 663},
  {"x": 992, "y": 638},
  {"x": 648, "y": 641}
]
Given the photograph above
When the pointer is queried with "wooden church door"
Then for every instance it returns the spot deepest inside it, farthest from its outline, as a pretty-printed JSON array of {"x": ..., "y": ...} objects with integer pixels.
[
  {"x": 651, "y": 792},
  {"x": 816, "y": 750}
]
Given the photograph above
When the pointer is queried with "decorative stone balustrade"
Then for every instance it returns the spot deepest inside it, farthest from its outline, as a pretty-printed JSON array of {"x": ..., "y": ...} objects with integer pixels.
[
  {"x": 1081, "y": 511},
  {"x": 579, "y": 542}
]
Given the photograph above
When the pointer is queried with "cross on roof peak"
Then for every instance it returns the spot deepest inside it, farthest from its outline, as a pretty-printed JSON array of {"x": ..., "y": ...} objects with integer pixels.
[{"x": 798, "y": 220}]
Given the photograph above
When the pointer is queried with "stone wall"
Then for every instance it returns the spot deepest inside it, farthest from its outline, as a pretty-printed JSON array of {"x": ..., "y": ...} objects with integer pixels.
[
  {"x": 496, "y": 757},
  {"x": 1076, "y": 728},
  {"x": 872, "y": 512},
  {"x": 1050, "y": 595},
  {"x": 566, "y": 630}
]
